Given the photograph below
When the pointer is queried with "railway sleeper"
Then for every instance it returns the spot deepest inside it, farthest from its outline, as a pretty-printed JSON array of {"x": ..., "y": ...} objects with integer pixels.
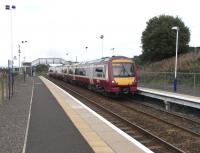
[
  {"x": 138, "y": 137},
  {"x": 145, "y": 141},
  {"x": 126, "y": 128}
]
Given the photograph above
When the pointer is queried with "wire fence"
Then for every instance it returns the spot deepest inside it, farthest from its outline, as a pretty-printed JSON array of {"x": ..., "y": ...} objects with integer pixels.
[
  {"x": 3, "y": 85},
  {"x": 187, "y": 83},
  {"x": 9, "y": 79}
]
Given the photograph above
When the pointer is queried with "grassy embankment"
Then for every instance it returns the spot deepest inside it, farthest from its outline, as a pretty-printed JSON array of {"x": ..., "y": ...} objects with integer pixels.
[
  {"x": 187, "y": 63},
  {"x": 160, "y": 75}
]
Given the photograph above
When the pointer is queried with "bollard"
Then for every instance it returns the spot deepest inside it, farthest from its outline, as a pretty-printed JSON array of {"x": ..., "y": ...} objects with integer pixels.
[{"x": 175, "y": 84}]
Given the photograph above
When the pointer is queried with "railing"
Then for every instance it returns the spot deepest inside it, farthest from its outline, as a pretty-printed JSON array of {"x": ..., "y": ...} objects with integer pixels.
[{"x": 187, "y": 83}]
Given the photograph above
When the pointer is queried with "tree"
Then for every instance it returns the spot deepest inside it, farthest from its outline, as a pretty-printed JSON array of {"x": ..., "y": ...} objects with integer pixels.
[
  {"x": 41, "y": 68},
  {"x": 137, "y": 60},
  {"x": 159, "y": 40}
]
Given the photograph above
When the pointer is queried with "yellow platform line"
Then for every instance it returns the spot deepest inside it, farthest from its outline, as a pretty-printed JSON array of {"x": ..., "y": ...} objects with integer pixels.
[{"x": 96, "y": 142}]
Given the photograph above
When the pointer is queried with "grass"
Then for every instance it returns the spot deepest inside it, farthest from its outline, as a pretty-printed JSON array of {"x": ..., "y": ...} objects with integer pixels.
[
  {"x": 189, "y": 63},
  {"x": 161, "y": 74},
  {"x": 2, "y": 87}
]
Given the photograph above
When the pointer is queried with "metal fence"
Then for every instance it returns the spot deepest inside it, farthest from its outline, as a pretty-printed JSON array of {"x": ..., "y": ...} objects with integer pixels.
[{"x": 187, "y": 83}]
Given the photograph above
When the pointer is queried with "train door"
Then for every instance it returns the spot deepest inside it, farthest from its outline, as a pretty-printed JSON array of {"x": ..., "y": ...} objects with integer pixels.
[
  {"x": 91, "y": 74},
  {"x": 74, "y": 69}
]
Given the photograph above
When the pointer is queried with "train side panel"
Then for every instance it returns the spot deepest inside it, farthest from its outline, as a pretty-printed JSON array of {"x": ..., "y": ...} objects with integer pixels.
[{"x": 114, "y": 75}]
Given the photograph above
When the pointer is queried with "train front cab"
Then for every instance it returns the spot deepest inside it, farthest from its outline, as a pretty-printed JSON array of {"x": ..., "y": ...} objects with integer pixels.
[{"x": 123, "y": 76}]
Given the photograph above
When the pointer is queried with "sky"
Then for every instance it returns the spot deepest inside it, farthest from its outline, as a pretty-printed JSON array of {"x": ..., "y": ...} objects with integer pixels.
[{"x": 63, "y": 28}]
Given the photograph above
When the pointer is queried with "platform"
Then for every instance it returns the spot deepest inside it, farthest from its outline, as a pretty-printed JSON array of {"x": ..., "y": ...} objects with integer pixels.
[
  {"x": 173, "y": 97},
  {"x": 49, "y": 130},
  {"x": 61, "y": 123}
]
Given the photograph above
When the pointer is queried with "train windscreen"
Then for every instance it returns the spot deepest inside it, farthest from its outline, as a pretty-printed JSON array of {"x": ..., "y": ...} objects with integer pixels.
[{"x": 123, "y": 70}]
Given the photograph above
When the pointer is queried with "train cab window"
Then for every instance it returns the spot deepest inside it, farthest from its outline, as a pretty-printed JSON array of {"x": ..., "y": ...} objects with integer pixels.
[{"x": 123, "y": 70}]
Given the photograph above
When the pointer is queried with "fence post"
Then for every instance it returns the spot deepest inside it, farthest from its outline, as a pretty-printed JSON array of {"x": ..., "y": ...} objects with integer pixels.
[
  {"x": 9, "y": 83},
  {"x": 6, "y": 84},
  {"x": 164, "y": 80},
  {"x": 2, "y": 85},
  {"x": 194, "y": 82},
  {"x": 1, "y": 97}
]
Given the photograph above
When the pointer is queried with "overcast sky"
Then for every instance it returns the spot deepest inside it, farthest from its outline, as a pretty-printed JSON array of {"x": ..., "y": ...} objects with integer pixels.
[{"x": 56, "y": 27}]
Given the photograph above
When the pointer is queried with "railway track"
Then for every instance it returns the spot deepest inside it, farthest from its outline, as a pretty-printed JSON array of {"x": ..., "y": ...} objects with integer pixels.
[
  {"x": 158, "y": 134},
  {"x": 189, "y": 124}
]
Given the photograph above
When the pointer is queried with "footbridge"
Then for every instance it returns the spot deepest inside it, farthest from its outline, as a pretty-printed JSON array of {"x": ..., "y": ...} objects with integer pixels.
[{"x": 48, "y": 61}]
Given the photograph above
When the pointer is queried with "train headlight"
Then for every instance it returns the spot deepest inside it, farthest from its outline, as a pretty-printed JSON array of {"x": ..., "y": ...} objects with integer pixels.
[
  {"x": 114, "y": 83},
  {"x": 134, "y": 82}
]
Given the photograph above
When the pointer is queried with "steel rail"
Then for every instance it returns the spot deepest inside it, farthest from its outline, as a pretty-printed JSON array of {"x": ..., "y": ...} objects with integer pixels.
[
  {"x": 168, "y": 145},
  {"x": 162, "y": 120},
  {"x": 167, "y": 112}
]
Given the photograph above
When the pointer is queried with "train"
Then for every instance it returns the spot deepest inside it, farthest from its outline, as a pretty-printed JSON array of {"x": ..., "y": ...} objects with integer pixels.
[{"x": 110, "y": 75}]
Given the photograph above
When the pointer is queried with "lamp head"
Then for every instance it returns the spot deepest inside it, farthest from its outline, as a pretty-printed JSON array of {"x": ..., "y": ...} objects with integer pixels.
[{"x": 175, "y": 28}]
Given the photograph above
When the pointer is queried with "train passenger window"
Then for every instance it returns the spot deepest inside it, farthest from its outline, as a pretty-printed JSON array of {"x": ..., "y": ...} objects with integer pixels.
[
  {"x": 83, "y": 72},
  {"x": 99, "y": 69},
  {"x": 99, "y": 72},
  {"x": 70, "y": 71},
  {"x": 86, "y": 71},
  {"x": 76, "y": 71},
  {"x": 65, "y": 70},
  {"x": 80, "y": 71}
]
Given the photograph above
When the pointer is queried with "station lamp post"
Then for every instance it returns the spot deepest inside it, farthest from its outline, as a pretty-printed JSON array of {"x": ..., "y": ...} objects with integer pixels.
[
  {"x": 11, "y": 77},
  {"x": 19, "y": 51},
  {"x": 86, "y": 52},
  {"x": 67, "y": 54},
  {"x": 102, "y": 36},
  {"x": 112, "y": 51},
  {"x": 11, "y": 8},
  {"x": 175, "y": 75}
]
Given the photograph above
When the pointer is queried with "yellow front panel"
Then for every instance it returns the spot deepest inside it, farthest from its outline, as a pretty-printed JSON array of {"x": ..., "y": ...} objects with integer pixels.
[
  {"x": 122, "y": 61},
  {"x": 124, "y": 81}
]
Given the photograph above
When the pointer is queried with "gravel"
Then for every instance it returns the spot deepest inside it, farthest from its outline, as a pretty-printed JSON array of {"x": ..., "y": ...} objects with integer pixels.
[{"x": 13, "y": 117}]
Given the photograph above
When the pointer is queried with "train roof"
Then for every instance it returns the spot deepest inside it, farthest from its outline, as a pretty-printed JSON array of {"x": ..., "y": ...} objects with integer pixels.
[
  {"x": 97, "y": 61},
  {"x": 103, "y": 60}
]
